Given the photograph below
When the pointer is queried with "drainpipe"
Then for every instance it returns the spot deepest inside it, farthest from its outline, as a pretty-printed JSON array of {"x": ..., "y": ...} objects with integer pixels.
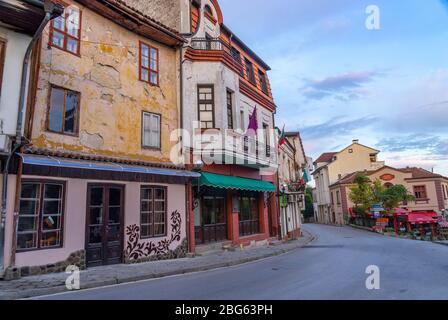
[{"x": 52, "y": 11}]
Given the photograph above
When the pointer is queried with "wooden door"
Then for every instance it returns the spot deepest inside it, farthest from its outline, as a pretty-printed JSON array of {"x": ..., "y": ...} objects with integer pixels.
[{"x": 105, "y": 229}]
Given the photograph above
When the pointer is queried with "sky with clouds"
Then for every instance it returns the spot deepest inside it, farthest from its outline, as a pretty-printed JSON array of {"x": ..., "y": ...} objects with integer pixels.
[{"x": 335, "y": 80}]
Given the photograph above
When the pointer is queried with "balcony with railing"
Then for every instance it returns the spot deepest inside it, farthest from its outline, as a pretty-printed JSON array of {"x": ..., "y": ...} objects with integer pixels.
[
  {"x": 202, "y": 49},
  {"x": 232, "y": 147}
]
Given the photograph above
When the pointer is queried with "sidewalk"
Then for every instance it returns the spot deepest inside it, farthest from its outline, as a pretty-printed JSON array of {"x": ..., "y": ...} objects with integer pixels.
[{"x": 111, "y": 275}]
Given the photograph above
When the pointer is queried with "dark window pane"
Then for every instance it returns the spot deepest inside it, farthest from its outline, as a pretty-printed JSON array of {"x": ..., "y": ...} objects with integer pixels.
[
  {"x": 159, "y": 194},
  {"x": 53, "y": 191},
  {"x": 113, "y": 233},
  {"x": 52, "y": 207},
  {"x": 159, "y": 206},
  {"x": 145, "y": 231},
  {"x": 96, "y": 197},
  {"x": 95, "y": 234},
  {"x": 114, "y": 215},
  {"x": 146, "y": 206},
  {"x": 27, "y": 241},
  {"x": 27, "y": 224},
  {"x": 115, "y": 197},
  {"x": 70, "y": 112},
  {"x": 147, "y": 194},
  {"x": 30, "y": 191},
  {"x": 56, "y": 109},
  {"x": 28, "y": 207},
  {"x": 145, "y": 216},
  {"x": 50, "y": 239},
  {"x": 96, "y": 215}
]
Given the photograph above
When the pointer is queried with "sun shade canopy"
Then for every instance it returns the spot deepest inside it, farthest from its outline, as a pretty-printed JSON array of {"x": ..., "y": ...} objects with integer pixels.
[
  {"x": 38, "y": 160},
  {"x": 234, "y": 183}
]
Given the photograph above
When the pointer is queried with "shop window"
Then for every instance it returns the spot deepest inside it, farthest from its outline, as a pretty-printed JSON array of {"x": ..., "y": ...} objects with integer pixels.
[
  {"x": 153, "y": 212},
  {"x": 249, "y": 215},
  {"x": 206, "y": 106},
  {"x": 40, "y": 215},
  {"x": 151, "y": 131},
  {"x": 149, "y": 64},
  {"x": 65, "y": 31},
  {"x": 63, "y": 113},
  {"x": 420, "y": 193}
]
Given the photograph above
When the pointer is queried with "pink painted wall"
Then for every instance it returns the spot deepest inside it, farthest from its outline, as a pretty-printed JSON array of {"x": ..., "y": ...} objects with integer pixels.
[{"x": 75, "y": 218}]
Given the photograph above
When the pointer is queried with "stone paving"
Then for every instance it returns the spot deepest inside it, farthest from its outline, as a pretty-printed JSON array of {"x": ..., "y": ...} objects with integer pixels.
[{"x": 110, "y": 275}]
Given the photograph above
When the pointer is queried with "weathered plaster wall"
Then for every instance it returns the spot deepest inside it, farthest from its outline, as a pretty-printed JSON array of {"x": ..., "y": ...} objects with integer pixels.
[
  {"x": 75, "y": 220},
  {"x": 164, "y": 11},
  {"x": 112, "y": 97},
  {"x": 16, "y": 45}
]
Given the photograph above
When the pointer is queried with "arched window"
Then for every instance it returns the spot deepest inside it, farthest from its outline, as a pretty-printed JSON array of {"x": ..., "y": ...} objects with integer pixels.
[
  {"x": 208, "y": 10},
  {"x": 388, "y": 185}
]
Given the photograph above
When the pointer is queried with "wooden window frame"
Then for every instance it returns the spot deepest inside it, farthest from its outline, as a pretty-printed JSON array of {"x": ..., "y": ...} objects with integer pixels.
[
  {"x": 250, "y": 75},
  {"x": 65, "y": 32},
  {"x": 148, "y": 69},
  {"x": 42, "y": 183},
  {"x": 212, "y": 102},
  {"x": 3, "y": 43},
  {"x": 230, "y": 107},
  {"x": 338, "y": 198},
  {"x": 153, "y": 188},
  {"x": 263, "y": 82},
  {"x": 78, "y": 111},
  {"x": 159, "y": 148},
  {"x": 424, "y": 190}
]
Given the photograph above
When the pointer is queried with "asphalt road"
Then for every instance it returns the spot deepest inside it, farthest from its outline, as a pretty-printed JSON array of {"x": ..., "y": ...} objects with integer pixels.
[{"x": 331, "y": 267}]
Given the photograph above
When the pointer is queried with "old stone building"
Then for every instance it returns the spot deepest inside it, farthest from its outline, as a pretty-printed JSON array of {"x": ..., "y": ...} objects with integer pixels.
[{"x": 96, "y": 182}]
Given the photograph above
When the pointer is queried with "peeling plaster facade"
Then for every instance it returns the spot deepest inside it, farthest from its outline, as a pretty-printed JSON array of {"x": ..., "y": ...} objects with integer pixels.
[
  {"x": 112, "y": 100},
  {"x": 112, "y": 97}
]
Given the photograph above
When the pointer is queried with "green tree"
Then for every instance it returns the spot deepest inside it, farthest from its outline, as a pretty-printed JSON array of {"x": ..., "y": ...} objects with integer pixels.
[
  {"x": 365, "y": 193},
  {"x": 394, "y": 196},
  {"x": 361, "y": 194},
  {"x": 309, "y": 208}
]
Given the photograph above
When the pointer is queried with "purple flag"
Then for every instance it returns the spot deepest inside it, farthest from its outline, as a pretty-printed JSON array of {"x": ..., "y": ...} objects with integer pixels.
[{"x": 253, "y": 124}]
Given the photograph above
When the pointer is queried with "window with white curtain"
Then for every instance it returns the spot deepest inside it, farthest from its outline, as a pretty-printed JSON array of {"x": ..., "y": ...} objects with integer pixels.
[{"x": 151, "y": 130}]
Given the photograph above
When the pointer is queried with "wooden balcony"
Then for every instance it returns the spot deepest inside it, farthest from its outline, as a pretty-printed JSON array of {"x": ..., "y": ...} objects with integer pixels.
[{"x": 213, "y": 50}]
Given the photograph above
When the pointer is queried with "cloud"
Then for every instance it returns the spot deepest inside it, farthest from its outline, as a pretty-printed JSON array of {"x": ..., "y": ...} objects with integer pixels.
[
  {"x": 345, "y": 87},
  {"x": 337, "y": 126},
  {"x": 435, "y": 145}
]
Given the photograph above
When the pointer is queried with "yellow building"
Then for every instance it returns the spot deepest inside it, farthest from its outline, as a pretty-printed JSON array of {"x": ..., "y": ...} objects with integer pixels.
[
  {"x": 333, "y": 166},
  {"x": 429, "y": 189}
]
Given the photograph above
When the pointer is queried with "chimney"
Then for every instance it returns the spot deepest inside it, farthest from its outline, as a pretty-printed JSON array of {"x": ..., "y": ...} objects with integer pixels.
[{"x": 356, "y": 141}]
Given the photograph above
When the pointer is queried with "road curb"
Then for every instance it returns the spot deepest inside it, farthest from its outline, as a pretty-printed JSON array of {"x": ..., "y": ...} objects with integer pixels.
[{"x": 36, "y": 292}]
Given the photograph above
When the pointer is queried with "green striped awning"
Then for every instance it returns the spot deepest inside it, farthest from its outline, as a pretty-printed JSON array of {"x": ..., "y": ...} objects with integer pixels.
[{"x": 234, "y": 183}]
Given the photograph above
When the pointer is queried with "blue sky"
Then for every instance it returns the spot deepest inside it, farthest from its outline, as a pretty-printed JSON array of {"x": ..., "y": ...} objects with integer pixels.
[{"x": 335, "y": 80}]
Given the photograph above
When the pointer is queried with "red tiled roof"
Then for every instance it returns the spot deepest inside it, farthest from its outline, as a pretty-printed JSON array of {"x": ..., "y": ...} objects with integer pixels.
[
  {"x": 326, "y": 157},
  {"x": 419, "y": 173}
]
